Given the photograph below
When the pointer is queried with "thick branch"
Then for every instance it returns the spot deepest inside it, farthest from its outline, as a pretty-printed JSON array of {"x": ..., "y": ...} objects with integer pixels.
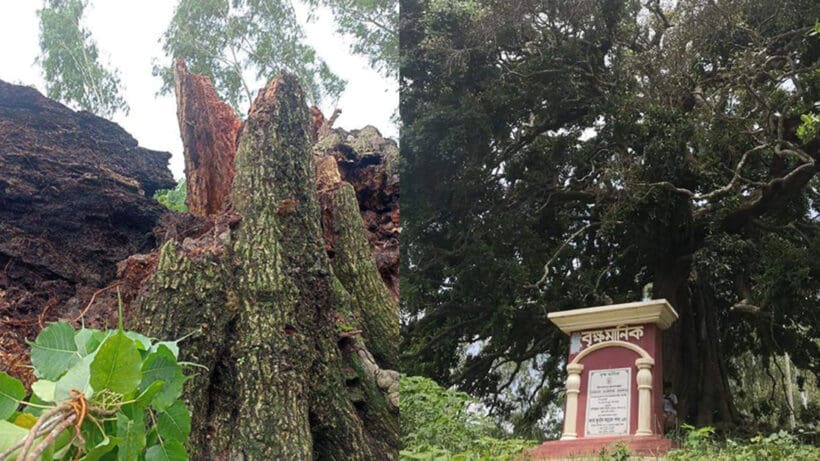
[
  {"x": 572, "y": 237},
  {"x": 771, "y": 196}
]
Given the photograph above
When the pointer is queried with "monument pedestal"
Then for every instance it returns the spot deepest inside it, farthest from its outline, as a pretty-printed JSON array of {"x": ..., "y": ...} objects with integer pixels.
[
  {"x": 648, "y": 446},
  {"x": 614, "y": 384}
]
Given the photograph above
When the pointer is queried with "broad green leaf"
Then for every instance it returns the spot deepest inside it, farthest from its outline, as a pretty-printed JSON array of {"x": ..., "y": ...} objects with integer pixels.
[
  {"x": 99, "y": 450},
  {"x": 11, "y": 393},
  {"x": 171, "y": 450},
  {"x": 175, "y": 422},
  {"x": 88, "y": 340},
  {"x": 9, "y": 436},
  {"x": 130, "y": 437},
  {"x": 143, "y": 342},
  {"x": 144, "y": 399},
  {"x": 78, "y": 377},
  {"x": 54, "y": 351},
  {"x": 36, "y": 411},
  {"x": 162, "y": 366},
  {"x": 171, "y": 345},
  {"x": 117, "y": 365},
  {"x": 44, "y": 389}
]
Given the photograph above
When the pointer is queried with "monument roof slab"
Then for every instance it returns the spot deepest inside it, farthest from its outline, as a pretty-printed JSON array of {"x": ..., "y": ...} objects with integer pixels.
[{"x": 655, "y": 311}]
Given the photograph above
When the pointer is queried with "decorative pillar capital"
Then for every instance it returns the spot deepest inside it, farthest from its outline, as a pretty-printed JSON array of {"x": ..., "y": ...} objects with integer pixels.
[{"x": 575, "y": 368}]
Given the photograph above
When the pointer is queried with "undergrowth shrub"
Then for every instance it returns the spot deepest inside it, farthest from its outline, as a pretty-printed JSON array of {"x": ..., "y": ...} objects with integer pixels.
[
  {"x": 700, "y": 444},
  {"x": 447, "y": 425}
]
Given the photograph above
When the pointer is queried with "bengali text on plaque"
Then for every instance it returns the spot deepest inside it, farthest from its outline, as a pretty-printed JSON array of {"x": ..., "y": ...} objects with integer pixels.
[{"x": 608, "y": 393}]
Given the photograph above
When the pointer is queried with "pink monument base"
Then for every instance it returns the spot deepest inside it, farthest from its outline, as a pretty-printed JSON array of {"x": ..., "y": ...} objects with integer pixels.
[{"x": 654, "y": 445}]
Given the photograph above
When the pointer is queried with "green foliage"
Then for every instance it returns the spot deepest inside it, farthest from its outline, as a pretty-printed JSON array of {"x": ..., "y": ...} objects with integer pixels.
[
  {"x": 442, "y": 424},
  {"x": 121, "y": 388},
  {"x": 700, "y": 444},
  {"x": 70, "y": 61},
  {"x": 569, "y": 153},
  {"x": 374, "y": 27},
  {"x": 174, "y": 199},
  {"x": 620, "y": 452},
  {"x": 807, "y": 130},
  {"x": 232, "y": 40}
]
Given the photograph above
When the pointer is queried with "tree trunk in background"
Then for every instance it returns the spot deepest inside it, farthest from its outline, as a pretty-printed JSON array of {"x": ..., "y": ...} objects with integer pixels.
[
  {"x": 691, "y": 347},
  {"x": 284, "y": 331}
]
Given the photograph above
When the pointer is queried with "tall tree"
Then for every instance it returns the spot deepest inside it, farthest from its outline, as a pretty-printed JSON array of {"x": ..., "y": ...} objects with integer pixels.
[
  {"x": 561, "y": 154},
  {"x": 374, "y": 27},
  {"x": 71, "y": 63},
  {"x": 235, "y": 41}
]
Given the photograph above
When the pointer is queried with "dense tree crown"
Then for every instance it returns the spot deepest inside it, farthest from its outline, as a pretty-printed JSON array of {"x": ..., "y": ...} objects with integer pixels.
[{"x": 569, "y": 153}]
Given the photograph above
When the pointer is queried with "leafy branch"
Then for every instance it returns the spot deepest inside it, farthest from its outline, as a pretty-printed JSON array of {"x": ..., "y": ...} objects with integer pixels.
[{"x": 94, "y": 391}]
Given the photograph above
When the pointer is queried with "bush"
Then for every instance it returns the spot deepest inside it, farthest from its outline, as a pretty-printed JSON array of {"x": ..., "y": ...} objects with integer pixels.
[
  {"x": 701, "y": 445},
  {"x": 100, "y": 395},
  {"x": 442, "y": 424},
  {"x": 174, "y": 199}
]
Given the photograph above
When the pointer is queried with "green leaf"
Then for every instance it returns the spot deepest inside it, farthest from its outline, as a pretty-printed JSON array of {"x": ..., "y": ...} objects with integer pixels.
[
  {"x": 99, "y": 450},
  {"x": 130, "y": 437},
  {"x": 9, "y": 436},
  {"x": 171, "y": 345},
  {"x": 117, "y": 365},
  {"x": 78, "y": 377},
  {"x": 54, "y": 351},
  {"x": 144, "y": 399},
  {"x": 44, "y": 389},
  {"x": 162, "y": 366},
  {"x": 171, "y": 450},
  {"x": 175, "y": 422},
  {"x": 143, "y": 342},
  {"x": 88, "y": 340},
  {"x": 11, "y": 393}
]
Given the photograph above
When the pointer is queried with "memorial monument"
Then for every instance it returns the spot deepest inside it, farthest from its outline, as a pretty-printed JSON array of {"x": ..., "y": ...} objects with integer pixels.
[{"x": 614, "y": 386}]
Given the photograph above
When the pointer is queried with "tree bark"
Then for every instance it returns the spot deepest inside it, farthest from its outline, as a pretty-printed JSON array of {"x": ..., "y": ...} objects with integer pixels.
[
  {"x": 208, "y": 128},
  {"x": 287, "y": 374},
  {"x": 692, "y": 358}
]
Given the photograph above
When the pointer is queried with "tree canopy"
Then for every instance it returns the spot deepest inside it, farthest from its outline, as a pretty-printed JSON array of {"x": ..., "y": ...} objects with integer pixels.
[
  {"x": 374, "y": 27},
  {"x": 237, "y": 43},
  {"x": 224, "y": 39},
  {"x": 71, "y": 63},
  {"x": 561, "y": 154}
]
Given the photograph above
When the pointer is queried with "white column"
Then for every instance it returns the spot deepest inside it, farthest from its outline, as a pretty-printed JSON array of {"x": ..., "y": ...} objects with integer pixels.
[
  {"x": 644, "y": 379},
  {"x": 573, "y": 389}
]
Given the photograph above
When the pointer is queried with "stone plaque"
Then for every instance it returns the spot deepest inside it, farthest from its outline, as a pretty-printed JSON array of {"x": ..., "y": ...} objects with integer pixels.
[{"x": 608, "y": 394}]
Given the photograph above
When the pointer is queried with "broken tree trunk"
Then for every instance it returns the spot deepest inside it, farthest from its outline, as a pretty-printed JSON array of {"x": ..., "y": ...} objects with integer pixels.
[
  {"x": 285, "y": 338},
  {"x": 208, "y": 128}
]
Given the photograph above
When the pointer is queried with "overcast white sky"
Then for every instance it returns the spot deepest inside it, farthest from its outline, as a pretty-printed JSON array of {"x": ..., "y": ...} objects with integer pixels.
[{"x": 127, "y": 34}]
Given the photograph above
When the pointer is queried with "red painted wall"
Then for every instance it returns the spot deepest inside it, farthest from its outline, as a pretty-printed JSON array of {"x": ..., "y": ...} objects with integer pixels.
[{"x": 620, "y": 357}]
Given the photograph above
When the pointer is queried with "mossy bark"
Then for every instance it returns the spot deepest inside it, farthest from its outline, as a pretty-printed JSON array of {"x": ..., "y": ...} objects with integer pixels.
[
  {"x": 263, "y": 301},
  {"x": 373, "y": 308}
]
